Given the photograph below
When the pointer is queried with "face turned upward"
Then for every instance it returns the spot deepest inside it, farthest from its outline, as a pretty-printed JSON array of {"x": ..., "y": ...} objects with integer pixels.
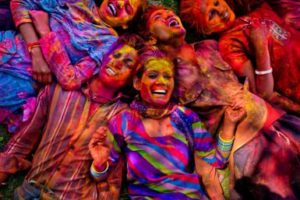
[
  {"x": 118, "y": 67},
  {"x": 165, "y": 25},
  {"x": 119, "y": 13},
  {"x": 218, "y": 16},
  {"x": 187, "y": 68},
  {"x": 157, "y": 82}
]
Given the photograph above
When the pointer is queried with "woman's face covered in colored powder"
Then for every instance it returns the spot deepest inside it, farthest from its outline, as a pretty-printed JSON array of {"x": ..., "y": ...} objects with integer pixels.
[
  {"x": 119, "y": 13},
  {"x": 217, "y": 16},
  {"x": 157, "y": 82},
  {"x": 118, "y": 67},
  {"x": 165, "y": 25}
]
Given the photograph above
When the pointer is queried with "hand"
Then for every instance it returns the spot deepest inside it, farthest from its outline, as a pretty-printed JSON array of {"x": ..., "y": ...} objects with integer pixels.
[
  {"x": 40, "y": 69},
  {"x": 100, "y": 147},
  {"x": 235, "y": 112},
  {"x": 40, "y": 20}
]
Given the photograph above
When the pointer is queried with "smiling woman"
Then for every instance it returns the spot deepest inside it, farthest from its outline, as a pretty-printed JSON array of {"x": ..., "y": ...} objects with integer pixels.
[
  {"x": 159, "y": 138},
  {"x": 119, "y": 13}
]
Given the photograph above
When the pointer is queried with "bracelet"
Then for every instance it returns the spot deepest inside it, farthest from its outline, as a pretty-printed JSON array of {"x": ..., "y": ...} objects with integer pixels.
[
  {"x": 32, "y": 45},
  {"x": 96, "y": 173},
  {"x": 263, "y": 72},
  {"x": 225, "y": 145}
]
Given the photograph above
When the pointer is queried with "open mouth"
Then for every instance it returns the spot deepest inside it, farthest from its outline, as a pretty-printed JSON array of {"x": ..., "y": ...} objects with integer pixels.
[
  {"x": 173, "y": 23},
  {"x": 110, "y": 71},
  {"x": 112, "y": 9},
  {"x": 159, "y": 92}
]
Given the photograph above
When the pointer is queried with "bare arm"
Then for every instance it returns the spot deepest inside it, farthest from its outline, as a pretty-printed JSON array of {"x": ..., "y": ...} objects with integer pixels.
[
  {"x": 70, "y": 76},
  {"x": 264, "y": 81},
  {"x": 20, "y": 13},
  {"x": 40, "y": 69}
]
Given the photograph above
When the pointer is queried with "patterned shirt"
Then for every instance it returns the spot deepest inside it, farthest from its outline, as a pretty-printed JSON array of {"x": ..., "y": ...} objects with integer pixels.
[
  {"x": 60, "y": 131},
  {"x": 159, "y": 167}
]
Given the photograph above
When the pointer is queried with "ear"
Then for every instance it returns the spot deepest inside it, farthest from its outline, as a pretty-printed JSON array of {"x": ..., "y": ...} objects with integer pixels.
[{"x": 137, "y": 83}]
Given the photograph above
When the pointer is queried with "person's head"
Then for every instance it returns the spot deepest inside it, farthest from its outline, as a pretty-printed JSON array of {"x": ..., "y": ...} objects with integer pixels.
[
  {"x": 120, "y": 13},
  {"x": 207, "y": 16},
  {"x": 119, "y": 64},
  {"x": 155, "y": 77},
  {"x": 162, "y": 24},
  {"x": 187, "y": 69}
]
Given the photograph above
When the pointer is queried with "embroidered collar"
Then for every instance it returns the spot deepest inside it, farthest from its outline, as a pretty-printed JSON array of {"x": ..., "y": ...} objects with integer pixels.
[{"x": 155, "y": 113}]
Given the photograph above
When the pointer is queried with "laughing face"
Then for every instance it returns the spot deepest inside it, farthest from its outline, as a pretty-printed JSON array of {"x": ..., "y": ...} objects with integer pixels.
[
  {"x": 118, "y": 67},
  {"x": 118, "y": 13},
  {"x": 217, "y": 16},
  {"x": 157, "y": 82},
  {"x": 165, "y": 25}
]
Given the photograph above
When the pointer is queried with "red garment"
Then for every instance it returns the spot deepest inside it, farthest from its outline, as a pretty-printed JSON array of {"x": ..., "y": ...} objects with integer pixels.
[{"x": 284, "y": 48}]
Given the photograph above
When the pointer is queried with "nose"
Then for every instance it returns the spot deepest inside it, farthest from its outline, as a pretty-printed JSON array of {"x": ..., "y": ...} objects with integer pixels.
[{"x": 161, "y": 80}]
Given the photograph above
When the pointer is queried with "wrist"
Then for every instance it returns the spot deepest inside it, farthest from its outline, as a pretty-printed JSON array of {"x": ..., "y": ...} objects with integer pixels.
[
  {"x": 33, "y": 46},
  {"x": 100, "y": 166},
  {"x": 98, "y": 174}
]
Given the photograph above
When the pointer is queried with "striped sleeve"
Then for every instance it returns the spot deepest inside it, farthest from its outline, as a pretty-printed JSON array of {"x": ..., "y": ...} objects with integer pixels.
[{"x": 203, "y": 143}]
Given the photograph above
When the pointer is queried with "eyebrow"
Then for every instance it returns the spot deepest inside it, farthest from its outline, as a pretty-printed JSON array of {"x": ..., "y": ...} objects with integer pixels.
[{"x": 157, "y": 15}]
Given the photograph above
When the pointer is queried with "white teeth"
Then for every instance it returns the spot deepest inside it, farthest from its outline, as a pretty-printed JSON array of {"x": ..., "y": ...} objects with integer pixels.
[
  {"x": 112, "y": 9},
  {"x": 160, "y": 92},
  {"x": 110, "y": 71}
]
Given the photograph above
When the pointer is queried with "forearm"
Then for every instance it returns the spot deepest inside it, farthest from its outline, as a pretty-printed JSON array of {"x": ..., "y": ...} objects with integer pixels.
[
  {"x": 263, "y": 71},
  {"x": 69, "y": 76},
  {"x": 210, "y": 179}
]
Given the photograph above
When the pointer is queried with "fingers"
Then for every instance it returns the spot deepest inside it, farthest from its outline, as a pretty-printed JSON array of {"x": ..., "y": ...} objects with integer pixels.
[{"x": 99, "y": 137}]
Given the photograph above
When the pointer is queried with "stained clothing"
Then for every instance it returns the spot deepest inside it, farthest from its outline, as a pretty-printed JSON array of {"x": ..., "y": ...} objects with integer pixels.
[
  {"x": 263, "y": 135},
  {"x": 73, "y": 50},
  {"x": 284, "y": 49},
  {"x": 288, "y": 10},
  {"x": 60, "y": 132},
  {"x": 158, "y": 167}
]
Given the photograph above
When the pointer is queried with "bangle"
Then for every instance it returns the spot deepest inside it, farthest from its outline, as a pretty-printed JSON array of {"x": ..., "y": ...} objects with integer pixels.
[
  {"x": 263, "y": 72},
  {"x": 96, "y": 173},
  {"x": 225, "y": 145},
  {"x": 32, "y": 45}
]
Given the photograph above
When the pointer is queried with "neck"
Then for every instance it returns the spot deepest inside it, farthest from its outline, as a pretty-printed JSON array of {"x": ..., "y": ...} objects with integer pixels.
[
  {"x": 171, "y": 44},
  {"x": 170, "y": 47},
  {"x": 101, "y": 91}
]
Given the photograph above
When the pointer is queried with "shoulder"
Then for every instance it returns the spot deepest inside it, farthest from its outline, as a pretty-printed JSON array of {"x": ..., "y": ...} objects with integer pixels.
[{"x": 186, "y": 114}]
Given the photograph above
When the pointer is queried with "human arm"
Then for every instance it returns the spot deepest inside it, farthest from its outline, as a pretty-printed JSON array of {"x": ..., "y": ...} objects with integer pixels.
[
  {"x": 263, "y": 70},
  {"x": 105, "y": 149},
  {"x": 100, "y": 148},
  {"x": 20, "y": 12},
  {"x": 14, "y": 158},
  {"x": 69, "y": 76}
]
